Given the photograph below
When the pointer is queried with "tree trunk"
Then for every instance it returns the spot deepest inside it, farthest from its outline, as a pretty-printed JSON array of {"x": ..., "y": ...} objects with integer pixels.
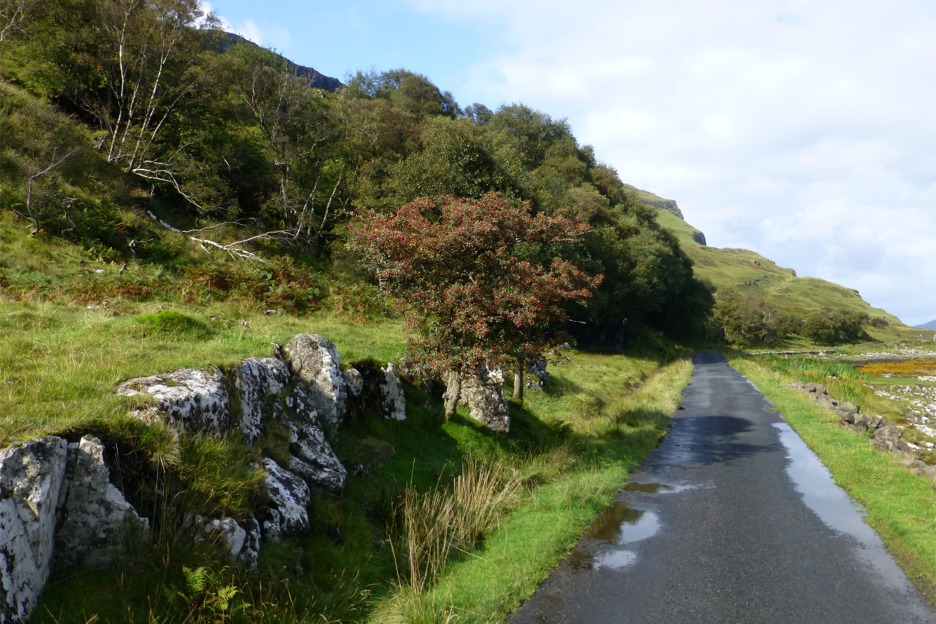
[
  {"x": 518, "y": 380},
  {"x": 452, "y": 392}
]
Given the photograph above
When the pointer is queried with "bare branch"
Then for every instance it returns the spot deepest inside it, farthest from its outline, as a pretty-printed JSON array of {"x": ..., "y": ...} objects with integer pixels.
[{"x": 12, "y": 15}]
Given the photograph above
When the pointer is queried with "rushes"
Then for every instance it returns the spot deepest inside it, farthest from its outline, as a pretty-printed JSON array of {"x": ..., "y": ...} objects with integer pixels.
[{"x": 452, "y": 518}]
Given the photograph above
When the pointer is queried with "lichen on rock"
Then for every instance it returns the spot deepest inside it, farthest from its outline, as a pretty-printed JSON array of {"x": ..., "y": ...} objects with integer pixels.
[
  {"x": 95, "y": 520},
  {"x": 315, "y": 361},
  {"x": 188, "y": 399},
  {"x": 258, "y": 382},
  {"x": 31, "y": 477},
  {"x": 286, "y": 512}
]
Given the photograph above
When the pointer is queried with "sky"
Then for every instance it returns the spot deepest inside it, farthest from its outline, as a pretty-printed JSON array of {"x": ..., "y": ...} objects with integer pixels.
[{"x": 804, "y": 130}]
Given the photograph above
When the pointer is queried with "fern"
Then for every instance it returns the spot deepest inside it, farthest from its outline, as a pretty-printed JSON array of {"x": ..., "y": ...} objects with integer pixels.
[{"x": 196, "y": 580}]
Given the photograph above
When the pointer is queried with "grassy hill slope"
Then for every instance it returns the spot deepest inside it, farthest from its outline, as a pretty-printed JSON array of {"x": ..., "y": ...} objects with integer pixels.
[{"x": 749, "y": 271}]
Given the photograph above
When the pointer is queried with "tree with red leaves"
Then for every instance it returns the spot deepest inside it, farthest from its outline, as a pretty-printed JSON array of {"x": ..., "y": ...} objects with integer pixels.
[{"x": 480, "y": 280}]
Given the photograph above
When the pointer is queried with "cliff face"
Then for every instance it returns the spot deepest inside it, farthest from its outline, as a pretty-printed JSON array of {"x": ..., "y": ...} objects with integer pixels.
[{"x": 654, "y": 201}]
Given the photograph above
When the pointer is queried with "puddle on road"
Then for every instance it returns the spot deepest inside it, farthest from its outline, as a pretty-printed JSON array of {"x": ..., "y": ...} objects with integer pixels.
[
  {"x": 622, "y": 524},
  {"x": 614, "y": 560},
  {"x": 834, "y": 507},
  {"x": 617, "y": 525}
]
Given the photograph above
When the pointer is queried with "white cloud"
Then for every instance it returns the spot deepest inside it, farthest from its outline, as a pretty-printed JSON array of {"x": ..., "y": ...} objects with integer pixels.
[
  {"x": 801, "y": 129},
  {"x": 268, "y": 35}
]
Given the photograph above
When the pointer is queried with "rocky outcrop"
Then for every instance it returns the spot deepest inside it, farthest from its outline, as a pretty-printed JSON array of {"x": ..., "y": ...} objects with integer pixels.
[
  {"x": 259, "y": 383},
  {"x": 539, "y": 374},
  {"x": 380, "y": 392},
  {"x": 393, "y": 401},
  {"x": 286, "y": 512},
  {"x": 315, "y": 361},
  {"x": 885, "y": 437},
  {"x": 236, "y": 542},
  {"x": 31, "y": 477},
  {"x": 95, "y": 520},
  {"x": 191, "y": 400},
  {"x": 59, "y": 507},
  {"x": 483, "y": 393},
  {"x": 312, "y": 459}
]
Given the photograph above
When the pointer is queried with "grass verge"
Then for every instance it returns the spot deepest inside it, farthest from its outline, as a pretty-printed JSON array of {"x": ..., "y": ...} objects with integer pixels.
[{"x": 567, "y": 486}]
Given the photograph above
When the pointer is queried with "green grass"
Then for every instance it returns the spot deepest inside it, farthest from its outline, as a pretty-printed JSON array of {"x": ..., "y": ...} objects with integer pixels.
[
  {"x": 571, "y": 446},
  {"x": 60, "y": 365},
  {"x": 901, "y": 506}
]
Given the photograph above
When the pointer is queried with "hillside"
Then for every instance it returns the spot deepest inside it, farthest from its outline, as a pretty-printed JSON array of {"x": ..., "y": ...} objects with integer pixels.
[{"x": 750, "y": 273}]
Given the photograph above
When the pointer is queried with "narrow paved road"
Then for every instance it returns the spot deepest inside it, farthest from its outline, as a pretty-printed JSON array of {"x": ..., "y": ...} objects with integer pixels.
[{"x": 731, "y": 520}]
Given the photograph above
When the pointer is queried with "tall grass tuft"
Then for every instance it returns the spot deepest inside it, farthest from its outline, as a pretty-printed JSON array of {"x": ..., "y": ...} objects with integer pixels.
[{"x": 454, "y": 518}]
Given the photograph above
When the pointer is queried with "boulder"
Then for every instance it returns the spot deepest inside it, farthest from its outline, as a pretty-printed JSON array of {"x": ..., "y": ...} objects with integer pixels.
[
  {"x": 315, "y": 361},
  {"x": 861, "y": 422},
  {"x": 539, "y": 374},
  {"x": 94, "y": 518},
  {"x": 259, "y": 381},
  {"x": 393, "y": 401},
  {"x": 817, "y": 389},
  {"x": 286, "y": 511},
  {"x": 381, "y": 392},
  {"x": 354, "y": 381},
  {"x": 483, "y": 393},
  {"x": 31, "y": 477},
  {"x": 187, "y": 399},
  {"x": 239, "y": 544},
  {"x": 312, "y": 459},
  {"x": 886, "y": 438}
]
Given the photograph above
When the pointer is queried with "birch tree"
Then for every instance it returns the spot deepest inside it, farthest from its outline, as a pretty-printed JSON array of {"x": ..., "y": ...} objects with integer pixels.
[{"x": 298, "y": 132}]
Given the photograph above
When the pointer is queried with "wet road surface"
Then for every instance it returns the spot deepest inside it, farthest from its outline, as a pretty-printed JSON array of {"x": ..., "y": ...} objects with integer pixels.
[{"x": 731, "y": 520}]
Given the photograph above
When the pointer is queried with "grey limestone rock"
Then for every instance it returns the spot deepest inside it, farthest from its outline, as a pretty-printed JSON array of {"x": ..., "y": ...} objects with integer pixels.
[
  {"x": 312, "y": 459},
  {"x": 354, "y": 382},
  {"x": 31, "y": 477},
  {"x": 393, "y": 399},
  {"x": 95, "y": 519},
  {"x": 483, "y": 393},
  {"x": 540, "y": 374},
  {"x": 238, "y": 543},
  {"x": 188, "y": 399},
  {"x": 258, "y": 382},
  {"x": 315, "y": 361},
  {"x": 286, "y": 512},
  {"x": 887, "y": 438}
]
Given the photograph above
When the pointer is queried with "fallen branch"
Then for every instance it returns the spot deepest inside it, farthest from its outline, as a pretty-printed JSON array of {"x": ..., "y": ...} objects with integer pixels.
[{"x": 234, "y": 249}]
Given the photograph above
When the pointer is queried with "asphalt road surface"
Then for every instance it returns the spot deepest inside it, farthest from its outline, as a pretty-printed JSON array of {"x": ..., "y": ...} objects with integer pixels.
[{"x": 731, "y": 520}]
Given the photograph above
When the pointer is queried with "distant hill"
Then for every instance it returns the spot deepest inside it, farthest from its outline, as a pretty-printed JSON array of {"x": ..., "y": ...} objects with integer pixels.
[
  {"x": 743, "y": 269},
  {"x": 930, "y": 325},
  {"x": 316, "y": 79}
]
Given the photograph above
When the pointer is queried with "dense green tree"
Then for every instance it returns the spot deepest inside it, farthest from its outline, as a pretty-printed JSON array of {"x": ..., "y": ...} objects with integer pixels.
[
  {"x": 457, "y": 158},
  {"x": 407, "y": 91},
  {"x": 648, "y": 278},
  {"x": 747, "y": 317},
  {"x": 832, "y": 327},
  {"x": 478, "y": 113}
]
